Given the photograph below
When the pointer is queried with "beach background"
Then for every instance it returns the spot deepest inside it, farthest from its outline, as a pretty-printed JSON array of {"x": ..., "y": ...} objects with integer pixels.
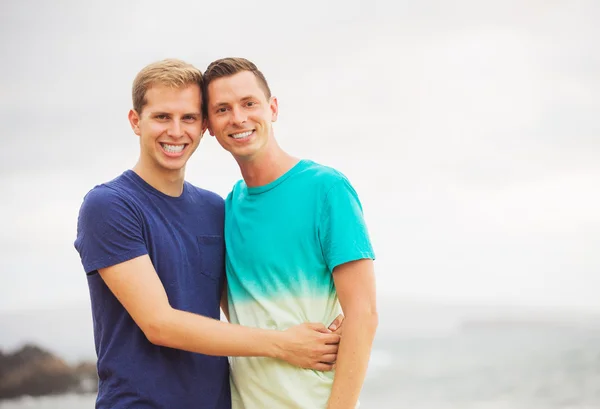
[
  {"x": 426, "y": 356},
  {"x": 469, "y": 129}
]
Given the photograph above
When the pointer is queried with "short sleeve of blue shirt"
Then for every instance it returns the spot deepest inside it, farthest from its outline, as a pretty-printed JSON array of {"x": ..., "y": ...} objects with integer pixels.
[
  {"x": 109, "y": 232},
  {"x": 342, "y": 231}
]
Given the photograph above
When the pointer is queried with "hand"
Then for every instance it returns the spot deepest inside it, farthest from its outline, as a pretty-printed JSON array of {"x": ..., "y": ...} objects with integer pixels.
[
  {"x": 336, "y": 325},
  {"x": 310, "y": 346}
]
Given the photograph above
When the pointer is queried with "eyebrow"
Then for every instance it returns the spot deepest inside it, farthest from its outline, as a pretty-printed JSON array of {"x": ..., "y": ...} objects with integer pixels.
[
  {"x": 220, "y": 104},
  {"x": 168, "y": 113}
]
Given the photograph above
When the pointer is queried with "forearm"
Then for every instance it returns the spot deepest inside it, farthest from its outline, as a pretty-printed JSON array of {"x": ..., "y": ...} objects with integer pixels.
[
  {"x": 353, "y": 359},
  {"x": 196, "y": 333}
]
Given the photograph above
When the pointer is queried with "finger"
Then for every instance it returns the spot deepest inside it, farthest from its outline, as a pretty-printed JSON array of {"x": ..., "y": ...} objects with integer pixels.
[
  {"x": 330, "y": 349},
  {"x": 321, "y": 366},
  {"x": 336, "y": 322},
  {"x": 319, "y": 327},
  {"x": 328, "y": 358},
  {"x": 331, "y": 338}
]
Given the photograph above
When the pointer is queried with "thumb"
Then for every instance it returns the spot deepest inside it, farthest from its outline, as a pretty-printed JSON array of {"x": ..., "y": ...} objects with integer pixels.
[
  {"x": 319, "y": 328},
  {"x": 336, "y": 322}
]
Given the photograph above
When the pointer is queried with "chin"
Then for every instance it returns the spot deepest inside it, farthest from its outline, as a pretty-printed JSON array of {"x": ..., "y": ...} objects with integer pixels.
[
  {"x": 244, "y": 150},
  {"x": 173, "y": 166},
  {"x": 244, "y": 155}
]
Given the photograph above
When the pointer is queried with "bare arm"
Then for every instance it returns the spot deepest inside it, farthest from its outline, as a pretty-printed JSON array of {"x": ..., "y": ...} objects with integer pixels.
[
  {"x": 137, "y": 286},
  {"x": 355, "y": 285}
]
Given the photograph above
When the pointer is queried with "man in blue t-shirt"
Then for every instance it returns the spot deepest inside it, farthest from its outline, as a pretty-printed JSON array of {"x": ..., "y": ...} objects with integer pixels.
[
  {"x": 153, "y": 249},
  {"x": 297, "y": 249}
]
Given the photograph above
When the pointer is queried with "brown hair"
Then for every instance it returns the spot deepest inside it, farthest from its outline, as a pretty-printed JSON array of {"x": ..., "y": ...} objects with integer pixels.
[
  {"x": 170, "y": 72},
  {"x": 226, "y": 67}
]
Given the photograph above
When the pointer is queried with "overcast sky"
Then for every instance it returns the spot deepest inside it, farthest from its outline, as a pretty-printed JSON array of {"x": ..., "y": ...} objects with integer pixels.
[{"x": 469, "y": 128}]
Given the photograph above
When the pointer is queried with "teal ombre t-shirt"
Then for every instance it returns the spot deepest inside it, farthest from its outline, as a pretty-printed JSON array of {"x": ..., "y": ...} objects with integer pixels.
[{"x": 283, "y": 241}]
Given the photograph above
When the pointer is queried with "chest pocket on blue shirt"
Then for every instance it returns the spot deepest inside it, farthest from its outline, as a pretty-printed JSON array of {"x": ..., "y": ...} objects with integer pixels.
[{"x": 212, "y": 256}]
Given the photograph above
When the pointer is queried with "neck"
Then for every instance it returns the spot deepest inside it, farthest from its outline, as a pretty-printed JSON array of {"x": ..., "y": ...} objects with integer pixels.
[
  {"x": 169, "y": 182},
  {"x": 266, "y": 166}
]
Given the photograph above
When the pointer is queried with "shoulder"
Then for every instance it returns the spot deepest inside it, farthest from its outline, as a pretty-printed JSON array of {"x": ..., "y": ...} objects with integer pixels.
[
  {"x": 109, "y": 197},
  {"x": 103, "y": 195},
  {"x": 204, "y": 196},
  {"x": 334, "y": 188},
  {"x": 238, "y": 189},
  {"x": 116, "y": 189},
  {"x": 326, "y": 177}
]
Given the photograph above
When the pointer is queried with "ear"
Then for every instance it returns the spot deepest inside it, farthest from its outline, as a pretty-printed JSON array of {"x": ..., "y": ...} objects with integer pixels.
[
  {"x": 134, "y": 121},
  {"x": 204, "y": 126},
  {"x": 274, "y": 109},
  {"x": 209, "y": 128}
]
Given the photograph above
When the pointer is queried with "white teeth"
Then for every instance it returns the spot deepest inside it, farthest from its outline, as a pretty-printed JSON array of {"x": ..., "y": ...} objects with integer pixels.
[
  {"x": 172, "y": 148},
  {"x": 241, "y": 135}
]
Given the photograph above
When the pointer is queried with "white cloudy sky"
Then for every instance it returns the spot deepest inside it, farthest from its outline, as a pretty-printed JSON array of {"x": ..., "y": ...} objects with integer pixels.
[{"x": 470, "y": 129}]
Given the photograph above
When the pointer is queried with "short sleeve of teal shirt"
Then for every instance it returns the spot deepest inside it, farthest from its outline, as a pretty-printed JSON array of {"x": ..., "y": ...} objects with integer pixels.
[{"x": 342, "y": 230}]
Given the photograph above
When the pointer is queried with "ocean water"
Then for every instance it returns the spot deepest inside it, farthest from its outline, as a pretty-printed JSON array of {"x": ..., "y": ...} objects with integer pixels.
[
  {"x": 515, "y": 368},
  {"x": 518, "y": 368}
]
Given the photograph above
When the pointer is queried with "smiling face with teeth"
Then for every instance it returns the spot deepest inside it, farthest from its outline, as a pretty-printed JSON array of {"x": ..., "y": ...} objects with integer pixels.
[
  {"x": 240, "y": 115},
  {"x": 170, "y": 127}
]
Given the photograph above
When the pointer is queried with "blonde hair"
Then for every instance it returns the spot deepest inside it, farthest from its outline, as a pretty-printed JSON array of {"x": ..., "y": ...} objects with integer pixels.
[{"x": 169, "y": 72}]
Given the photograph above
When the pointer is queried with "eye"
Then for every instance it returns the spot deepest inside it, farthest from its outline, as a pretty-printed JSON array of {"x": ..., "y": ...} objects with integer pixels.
[
  {"x": 162, "y": 117},
  {"x": 250, "y": 103},
  {"x": 221, "y": 110},
  {"x": 189, "y": 118}
]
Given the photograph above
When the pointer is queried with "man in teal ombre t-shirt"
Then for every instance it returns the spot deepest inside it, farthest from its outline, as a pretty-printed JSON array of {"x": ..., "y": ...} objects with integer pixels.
[{"x": 298, "y": 249}]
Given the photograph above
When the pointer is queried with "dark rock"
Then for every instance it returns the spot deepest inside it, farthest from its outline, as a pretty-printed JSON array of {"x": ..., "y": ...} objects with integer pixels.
[{"x": 33, "y": 371}]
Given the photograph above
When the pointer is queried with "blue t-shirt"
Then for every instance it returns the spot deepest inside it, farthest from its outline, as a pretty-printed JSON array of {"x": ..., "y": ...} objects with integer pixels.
[
  {"x": 183, "y": 236},
  {"x": 283, "y": 242}
]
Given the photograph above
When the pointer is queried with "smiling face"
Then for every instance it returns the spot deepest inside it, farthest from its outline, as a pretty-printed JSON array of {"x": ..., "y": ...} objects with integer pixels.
[
  {"x": 170, "y": 127},
  {"x": 240, "y": 115}
]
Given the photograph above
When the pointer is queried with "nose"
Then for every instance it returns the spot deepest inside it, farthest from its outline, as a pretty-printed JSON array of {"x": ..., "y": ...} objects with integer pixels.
[
  {"x": 238, "y": 116},
  {"x": 175, "y": 129}
]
